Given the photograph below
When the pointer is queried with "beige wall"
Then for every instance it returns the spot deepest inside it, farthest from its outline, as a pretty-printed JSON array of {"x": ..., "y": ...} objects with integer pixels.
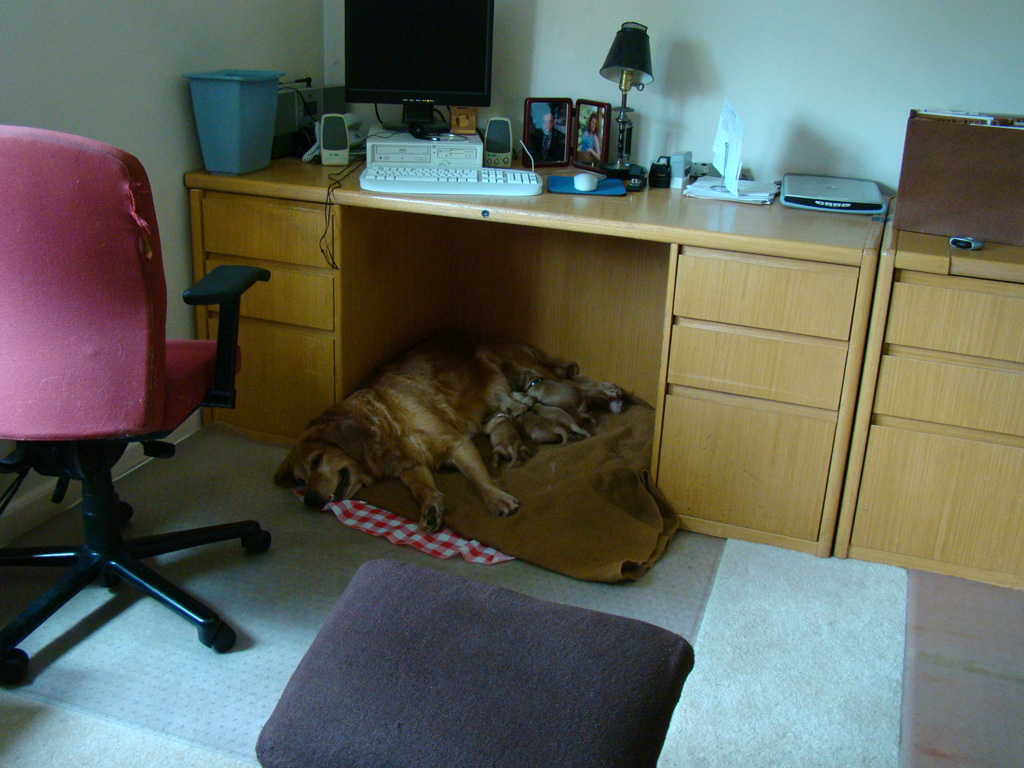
[
  {"x": 112, "y": 70},
  {"x": 821, "y": 87}
]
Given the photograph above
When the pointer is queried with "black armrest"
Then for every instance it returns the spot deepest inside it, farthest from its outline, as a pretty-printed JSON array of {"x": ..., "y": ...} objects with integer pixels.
[
  {"x": 224, "y": 286},
  {"x": 223, "y": 283}
]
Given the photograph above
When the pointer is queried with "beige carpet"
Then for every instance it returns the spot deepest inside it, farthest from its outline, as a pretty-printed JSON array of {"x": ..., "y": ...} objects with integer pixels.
[
  {"x": 799, "y": 663},
  {"x": 127, "y": 659}
]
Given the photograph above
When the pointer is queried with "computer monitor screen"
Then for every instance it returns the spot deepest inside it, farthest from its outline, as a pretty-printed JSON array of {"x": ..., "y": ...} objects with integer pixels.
[{"x": 419, "y": 53}]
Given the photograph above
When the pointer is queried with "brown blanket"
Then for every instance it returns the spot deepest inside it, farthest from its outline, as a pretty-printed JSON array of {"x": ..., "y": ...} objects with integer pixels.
[{"x": 588, "y": 509}]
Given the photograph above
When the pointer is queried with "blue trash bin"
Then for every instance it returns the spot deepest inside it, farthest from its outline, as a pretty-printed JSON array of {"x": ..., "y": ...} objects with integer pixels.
[{"x": 235, "y": 111}]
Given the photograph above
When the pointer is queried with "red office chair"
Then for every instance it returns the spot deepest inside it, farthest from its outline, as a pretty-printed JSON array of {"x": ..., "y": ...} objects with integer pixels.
[{"x": 85, "y": 368}]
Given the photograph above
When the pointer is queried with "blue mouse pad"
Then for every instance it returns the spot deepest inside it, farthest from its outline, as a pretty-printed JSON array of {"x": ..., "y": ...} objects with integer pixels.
[{"x": 563, "y": 185}]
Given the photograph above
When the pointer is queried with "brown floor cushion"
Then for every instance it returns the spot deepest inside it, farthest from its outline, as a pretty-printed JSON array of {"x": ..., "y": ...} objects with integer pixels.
[
  {"x": 416, "y": 667},
  {"x": 588, "y": 509}
]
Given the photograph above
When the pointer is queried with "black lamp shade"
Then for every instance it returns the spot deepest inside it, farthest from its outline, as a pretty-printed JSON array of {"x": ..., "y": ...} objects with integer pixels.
[{"x": 631, "y": 50}]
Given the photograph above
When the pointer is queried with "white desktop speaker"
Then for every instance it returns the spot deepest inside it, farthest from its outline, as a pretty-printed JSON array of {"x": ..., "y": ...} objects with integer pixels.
[
  {"x": 498, "y": 143},
  {"x": 334, "y": 140}
]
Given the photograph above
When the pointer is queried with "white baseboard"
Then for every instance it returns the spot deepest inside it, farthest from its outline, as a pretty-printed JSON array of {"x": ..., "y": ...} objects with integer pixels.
[{"x": 31, "y": 507}]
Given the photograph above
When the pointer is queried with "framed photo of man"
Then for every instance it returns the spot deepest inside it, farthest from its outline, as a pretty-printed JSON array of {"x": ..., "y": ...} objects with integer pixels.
[
  {"x": 547, "y": 124},
  {"x": 591, "y": 126}
]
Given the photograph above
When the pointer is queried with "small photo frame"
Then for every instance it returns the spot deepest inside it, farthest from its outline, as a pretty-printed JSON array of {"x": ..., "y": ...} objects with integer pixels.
[
  {"x": 590, "y": 130},
  {"x": 547, "y": 128}
]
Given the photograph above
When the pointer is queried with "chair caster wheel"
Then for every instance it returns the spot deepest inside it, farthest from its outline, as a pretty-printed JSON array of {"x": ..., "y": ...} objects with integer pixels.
[
  {"x": 14, "y": 667},
  {"x": 220, "y": 637},
  {"x": 124, "y": 512},
  {"x": 258, "y": 542}
]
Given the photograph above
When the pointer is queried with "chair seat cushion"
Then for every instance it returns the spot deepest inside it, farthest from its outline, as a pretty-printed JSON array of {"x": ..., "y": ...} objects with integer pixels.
[
  {"x": 189, "y": 369},
  {"x": 419, "y": 668}
]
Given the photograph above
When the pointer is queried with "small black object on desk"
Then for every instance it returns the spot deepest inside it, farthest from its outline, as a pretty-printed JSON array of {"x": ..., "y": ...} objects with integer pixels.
[{"x": 661, "y": 173}]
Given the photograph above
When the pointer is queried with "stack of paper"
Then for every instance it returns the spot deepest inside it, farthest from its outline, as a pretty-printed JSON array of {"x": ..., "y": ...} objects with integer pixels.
[{"x": 711, "y": 188}]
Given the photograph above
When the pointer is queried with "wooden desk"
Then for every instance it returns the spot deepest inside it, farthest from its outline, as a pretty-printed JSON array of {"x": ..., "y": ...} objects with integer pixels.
[
  {"x": 936, "y": 476},
  {"x": 744, "y": 326}
]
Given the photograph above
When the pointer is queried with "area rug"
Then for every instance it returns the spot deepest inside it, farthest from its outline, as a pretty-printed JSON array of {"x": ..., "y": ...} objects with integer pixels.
[
  {"x": 799, "y": 663},
  {"x": 115, "y": 655}
]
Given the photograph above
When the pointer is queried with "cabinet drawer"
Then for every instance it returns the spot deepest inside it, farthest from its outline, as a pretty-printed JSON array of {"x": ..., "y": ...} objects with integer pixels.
[
  {"x": 941, "y": 498},
  {"x": 766, "y": 292},
  {"x": 939, "y": 314},
  {"x": 948, "y": 393},
  {"x": 767, "y": 365},
  {"x": 745, "y": 466},
  {"x": 262, "y": 228},
  {"x": 287, "y": 378},
  {"x": 290, "y": 296}
]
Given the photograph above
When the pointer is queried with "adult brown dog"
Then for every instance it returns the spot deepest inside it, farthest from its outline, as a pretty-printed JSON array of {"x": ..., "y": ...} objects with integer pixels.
[{"x": 414, "y": 416}]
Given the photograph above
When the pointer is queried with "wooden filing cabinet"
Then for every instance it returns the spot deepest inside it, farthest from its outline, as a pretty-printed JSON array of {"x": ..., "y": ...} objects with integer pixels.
[
  {"x": 937, "y": 467},
  {"x": 288, "y": 330},
  {"x": 760, "y": 381}
]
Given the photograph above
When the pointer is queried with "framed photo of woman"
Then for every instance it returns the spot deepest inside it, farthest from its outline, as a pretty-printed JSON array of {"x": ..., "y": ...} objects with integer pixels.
[
  {"x": 547, "y": 124},
  {"x": 590, "y": 133}
]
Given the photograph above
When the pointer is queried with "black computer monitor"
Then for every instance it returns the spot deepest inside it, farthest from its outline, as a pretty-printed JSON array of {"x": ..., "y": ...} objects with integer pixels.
[{"x": 419, "y": 53}]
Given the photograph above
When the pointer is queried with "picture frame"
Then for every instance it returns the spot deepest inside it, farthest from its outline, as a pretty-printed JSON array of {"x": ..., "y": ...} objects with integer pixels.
[
  {"x": 549, "y": 147},
  {"x": 590, "y": 131}
]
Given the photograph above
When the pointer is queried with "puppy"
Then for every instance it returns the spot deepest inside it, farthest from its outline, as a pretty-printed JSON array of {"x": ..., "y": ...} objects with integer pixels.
[
  {"x": 550, "y": 424},
  {"x": 600, "y": 395},
  {"x": 561, "y": 394},
  {"x": 506, "y": 442},
  {"x": 414, "y": 416}
]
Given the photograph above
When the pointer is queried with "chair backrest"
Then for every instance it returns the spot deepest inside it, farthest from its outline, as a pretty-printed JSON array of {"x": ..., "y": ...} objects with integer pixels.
[{"x": 83, "y": 301}]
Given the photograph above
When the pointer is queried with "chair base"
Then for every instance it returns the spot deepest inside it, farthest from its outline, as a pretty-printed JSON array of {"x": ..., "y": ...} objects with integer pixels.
[
  {"x": 107, "y": 558},
  {"x": 87, "y": 566}
]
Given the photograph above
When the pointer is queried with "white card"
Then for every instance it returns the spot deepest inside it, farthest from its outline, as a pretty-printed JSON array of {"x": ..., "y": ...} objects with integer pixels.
[{"x": 728, "y": 146}]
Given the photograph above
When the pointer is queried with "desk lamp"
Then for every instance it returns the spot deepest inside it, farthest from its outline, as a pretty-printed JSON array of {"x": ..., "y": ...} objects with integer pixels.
[{"x": 629, "y": 64}]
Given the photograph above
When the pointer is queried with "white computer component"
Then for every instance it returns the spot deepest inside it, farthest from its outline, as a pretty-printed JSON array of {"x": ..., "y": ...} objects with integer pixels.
[
  {"x": 402, "y": 150},
  {"x": 831, "y": 193}
]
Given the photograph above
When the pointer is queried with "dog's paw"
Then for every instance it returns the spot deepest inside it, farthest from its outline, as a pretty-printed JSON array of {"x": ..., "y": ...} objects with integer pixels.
[
  {"x": 504, "y": 504},
  {"x": 431, "y": 518},
  {"x": 521, "y": 455}
]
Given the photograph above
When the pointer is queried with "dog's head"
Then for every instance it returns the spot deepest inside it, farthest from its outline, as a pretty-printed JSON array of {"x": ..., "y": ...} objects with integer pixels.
[{"x": 328, "y": 463}]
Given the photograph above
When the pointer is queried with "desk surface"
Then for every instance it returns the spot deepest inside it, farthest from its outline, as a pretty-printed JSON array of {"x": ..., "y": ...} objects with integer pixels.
[{"x": 654, "y": 215}]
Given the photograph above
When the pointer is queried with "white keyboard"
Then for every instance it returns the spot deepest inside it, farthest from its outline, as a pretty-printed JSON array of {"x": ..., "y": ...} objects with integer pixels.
[{"x": 451, "y": 181}]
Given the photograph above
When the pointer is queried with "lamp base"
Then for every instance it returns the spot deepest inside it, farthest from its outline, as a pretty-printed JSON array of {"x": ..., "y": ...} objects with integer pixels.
[
  {"x": 633, "y": 177},
  {"x": 624, "y": 172}
]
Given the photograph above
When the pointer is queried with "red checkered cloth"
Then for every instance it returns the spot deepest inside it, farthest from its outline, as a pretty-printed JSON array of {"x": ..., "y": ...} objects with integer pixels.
[{"x": 400, "y": 530}]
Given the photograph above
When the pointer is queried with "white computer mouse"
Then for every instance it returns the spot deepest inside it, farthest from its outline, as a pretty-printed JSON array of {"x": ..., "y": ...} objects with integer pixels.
[{"x": 585, "y": 182}]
